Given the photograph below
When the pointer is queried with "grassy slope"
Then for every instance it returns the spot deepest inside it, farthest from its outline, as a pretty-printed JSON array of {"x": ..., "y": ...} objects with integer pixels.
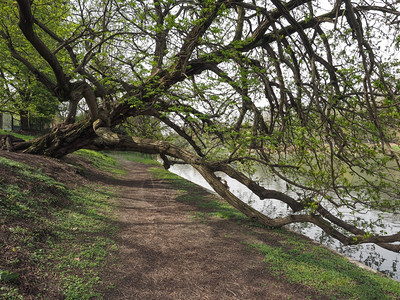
[
  {"x": 21, "y": 136},
  {"x": 55, "y": 240}
]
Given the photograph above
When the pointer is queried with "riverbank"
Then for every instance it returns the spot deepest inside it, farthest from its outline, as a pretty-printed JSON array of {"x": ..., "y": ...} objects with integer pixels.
[
  {"x": 169, "y": 239},
  {"x": 371, "y": 255}
]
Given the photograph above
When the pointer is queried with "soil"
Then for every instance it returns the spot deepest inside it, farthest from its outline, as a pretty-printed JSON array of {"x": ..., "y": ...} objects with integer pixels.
[{"x": 167, "y": 253}]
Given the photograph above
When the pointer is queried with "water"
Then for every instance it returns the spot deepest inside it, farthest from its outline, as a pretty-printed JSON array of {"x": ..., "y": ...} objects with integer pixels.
[{"x": 371, "y": 255}]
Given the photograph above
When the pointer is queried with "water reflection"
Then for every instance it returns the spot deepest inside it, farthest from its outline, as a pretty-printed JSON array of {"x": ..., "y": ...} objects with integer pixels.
[{"x": 370, "y": 254}]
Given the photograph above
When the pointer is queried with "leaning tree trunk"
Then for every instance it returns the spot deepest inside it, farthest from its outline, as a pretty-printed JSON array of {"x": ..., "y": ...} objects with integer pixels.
[
  {"x": 61, "y": 141},
  {"x": 67, "y": 138},
  {"x": 96, "y": 135}
]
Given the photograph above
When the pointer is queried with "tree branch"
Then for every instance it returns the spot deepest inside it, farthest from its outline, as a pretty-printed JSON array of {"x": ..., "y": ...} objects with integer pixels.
[{"x": 26, "y": 25}]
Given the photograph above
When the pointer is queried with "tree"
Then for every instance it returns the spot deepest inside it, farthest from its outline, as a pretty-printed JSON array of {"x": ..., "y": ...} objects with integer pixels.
[
  {"x": 21, "y": 94},
  {"x": 307, "y": 89}
]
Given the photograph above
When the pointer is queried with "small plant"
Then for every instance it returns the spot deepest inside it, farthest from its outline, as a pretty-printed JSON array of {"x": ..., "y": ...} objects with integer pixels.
[
  {"x": 8, "y": 276},
  {"x": 10, "y": 293},
  {"x": 197, "y": 215}
]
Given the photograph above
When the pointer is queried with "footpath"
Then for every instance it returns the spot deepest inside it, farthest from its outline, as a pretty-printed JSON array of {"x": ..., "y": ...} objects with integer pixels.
[{"x": 171, "y": 250}]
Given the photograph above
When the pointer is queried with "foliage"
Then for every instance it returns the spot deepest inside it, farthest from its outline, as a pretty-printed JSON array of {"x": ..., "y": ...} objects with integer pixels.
[
  {"x": 22, "y": 95},
  {"x": 307, "y": 90},
  {"x": 7, "y": 276},
  {"x": 143, "y": 126},
  {"x": 20, "y": 92}
]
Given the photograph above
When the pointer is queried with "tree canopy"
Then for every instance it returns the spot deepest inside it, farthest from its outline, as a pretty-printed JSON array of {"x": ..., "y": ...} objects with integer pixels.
[{"x": 309, "y": 90}]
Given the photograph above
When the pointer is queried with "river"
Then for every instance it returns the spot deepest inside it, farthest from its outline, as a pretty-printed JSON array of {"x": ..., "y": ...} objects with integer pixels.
[{"x": 371, "y": 255}]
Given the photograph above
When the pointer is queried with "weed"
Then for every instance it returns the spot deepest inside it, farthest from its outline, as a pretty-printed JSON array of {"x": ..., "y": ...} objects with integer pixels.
[
  {"x": 8, "y": 276},
  {"x": 10, "y": 293},
  {"x": 78, "y": 288},
  {"x": 197, "y": 215}
]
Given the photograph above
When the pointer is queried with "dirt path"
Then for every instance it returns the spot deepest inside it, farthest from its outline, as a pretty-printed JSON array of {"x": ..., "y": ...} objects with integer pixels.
[{"x": 168, "y": 254}]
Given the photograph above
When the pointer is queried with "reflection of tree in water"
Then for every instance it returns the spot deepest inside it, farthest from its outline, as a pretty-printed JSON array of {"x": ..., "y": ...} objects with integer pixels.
[
  {"x": 394, "y": 265},
  {"x": 396, "y": 217},
  {"x": 374, "y": 259},
  {"x": 326, "y": 239},
  {"x": 368, "y": 254}
]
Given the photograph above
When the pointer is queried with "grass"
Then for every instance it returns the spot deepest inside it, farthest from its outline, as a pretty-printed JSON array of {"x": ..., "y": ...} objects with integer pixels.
[
  {"x": 21, "y": 136},
  {"x": 53, "y": 235},
  {"x": 190, "y": 192},
  {"x": 58, "y": 236},
  {"x": 102, "y": 161},
  {"x": 106, "y": 160},
  {"x": 194, "y": 194},
  {"x": 147, "y": 159},
  {"x": 301, "y": 262},
  {"x": 295, "y": 259},
  {"x": 177, "y": 181}
]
